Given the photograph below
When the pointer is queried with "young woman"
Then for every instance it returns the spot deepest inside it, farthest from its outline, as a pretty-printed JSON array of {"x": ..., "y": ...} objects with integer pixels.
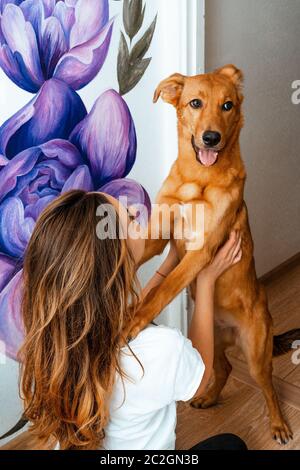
[{"x": 82, "y": 382}]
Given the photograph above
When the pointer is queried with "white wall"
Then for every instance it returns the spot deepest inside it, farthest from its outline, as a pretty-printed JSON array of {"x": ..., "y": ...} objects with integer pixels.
[
  {"x": 173, "y": 49},
  {"x": 262, "y": 37},
  {"x": 155, "y": 125}
]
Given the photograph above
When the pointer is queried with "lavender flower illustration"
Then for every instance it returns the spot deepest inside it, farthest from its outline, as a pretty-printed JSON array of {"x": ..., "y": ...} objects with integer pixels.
[
  {"x": 53, "y": 48},
  {"x": 41, "y": 39}
]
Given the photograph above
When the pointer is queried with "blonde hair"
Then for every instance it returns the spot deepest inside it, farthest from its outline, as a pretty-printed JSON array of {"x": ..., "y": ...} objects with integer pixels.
[{"x": 80, "y": 292}]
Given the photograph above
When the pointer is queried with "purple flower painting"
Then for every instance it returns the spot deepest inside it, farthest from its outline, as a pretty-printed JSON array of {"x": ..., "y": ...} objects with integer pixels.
[
  {"x": 52, "y": 145},
  {"x": 43, "y": 39}
]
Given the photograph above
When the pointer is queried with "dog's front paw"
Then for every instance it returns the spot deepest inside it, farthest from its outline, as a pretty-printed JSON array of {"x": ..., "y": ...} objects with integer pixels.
[
  {"x": 281, "y": 433},
  {"x": 133, "y": 330}
]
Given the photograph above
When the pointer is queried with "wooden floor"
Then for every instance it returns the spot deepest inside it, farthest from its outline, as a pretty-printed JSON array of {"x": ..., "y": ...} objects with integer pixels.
[{"x": 242, "y": 409}]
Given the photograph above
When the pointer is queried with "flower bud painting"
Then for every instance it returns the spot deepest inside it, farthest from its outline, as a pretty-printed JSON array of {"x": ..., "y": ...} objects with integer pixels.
[{"x": 52, "y": 49}]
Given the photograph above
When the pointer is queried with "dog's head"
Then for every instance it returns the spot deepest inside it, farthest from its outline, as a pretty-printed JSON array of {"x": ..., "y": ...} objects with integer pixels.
[{"x": 208, "y": 107}]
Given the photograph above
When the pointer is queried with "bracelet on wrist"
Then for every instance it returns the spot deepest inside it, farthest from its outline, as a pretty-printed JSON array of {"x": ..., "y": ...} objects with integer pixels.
[{"x": 161, "y": 274}]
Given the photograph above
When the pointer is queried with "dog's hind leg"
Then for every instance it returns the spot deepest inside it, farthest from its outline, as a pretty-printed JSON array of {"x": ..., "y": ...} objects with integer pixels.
[
  {"x": 224, "y": 338},
  {"x": 257, "y": 343}
]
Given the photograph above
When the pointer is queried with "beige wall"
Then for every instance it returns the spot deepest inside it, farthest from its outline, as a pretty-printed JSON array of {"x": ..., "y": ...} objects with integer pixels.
[{"x": 263, "y": 38}]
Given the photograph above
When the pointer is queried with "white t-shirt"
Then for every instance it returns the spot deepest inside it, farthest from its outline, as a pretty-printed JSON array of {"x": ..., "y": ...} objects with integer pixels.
[
  {"x": 145, "y": 419},
  {"x": 173, "y": 370}
]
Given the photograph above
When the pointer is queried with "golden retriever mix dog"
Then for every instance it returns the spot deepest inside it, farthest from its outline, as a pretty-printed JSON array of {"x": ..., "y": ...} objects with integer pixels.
[{"x": 209, "y": 170}]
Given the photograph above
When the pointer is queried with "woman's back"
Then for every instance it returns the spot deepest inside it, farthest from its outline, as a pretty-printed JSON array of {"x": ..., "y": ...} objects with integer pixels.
[{"x": 145, "y": 418}]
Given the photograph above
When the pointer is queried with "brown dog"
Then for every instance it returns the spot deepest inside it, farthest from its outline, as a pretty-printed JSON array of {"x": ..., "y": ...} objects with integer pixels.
[{"x": 209, "y": 170}]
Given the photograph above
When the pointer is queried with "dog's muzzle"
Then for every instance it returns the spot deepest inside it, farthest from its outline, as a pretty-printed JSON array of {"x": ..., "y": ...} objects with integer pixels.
[{"x": 207, "y": 157}]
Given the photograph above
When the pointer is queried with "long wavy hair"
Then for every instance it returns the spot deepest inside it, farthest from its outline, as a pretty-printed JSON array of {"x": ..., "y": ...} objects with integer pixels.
[{"x": 80, "y": 292}]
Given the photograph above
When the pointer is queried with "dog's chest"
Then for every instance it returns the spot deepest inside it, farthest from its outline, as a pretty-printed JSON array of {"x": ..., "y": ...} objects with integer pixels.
[
  {"x": 215, "y": 201},
  {"x": 214, "y": 195},
  {"x": 189, "y": 192}
]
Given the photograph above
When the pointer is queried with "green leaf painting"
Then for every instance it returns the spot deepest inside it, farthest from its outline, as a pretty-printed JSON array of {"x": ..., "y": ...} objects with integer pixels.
[{"x": 132, "y": 63}]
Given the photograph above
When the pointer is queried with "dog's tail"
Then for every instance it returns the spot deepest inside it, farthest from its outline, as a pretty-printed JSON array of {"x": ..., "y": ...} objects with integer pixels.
[{"x": 285, "y": 343}]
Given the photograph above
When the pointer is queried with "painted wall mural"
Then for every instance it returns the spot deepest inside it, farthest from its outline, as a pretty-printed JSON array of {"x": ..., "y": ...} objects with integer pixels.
[{"x": 53, "y": 49}]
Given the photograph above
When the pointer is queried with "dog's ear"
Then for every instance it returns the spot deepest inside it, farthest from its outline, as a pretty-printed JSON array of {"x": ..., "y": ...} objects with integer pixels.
[
  {"x": 235, "y": 75},
  {"x": 170, "y": 89}
]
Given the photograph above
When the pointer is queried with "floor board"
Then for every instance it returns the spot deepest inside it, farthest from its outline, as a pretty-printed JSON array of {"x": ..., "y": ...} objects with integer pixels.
[{"x": 242, "y": 409}]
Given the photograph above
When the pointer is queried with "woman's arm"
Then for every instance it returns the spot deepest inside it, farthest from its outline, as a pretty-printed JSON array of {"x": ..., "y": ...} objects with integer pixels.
[
  {"x": 201, "y": 330},
  {"x": 165, "y": 268}
]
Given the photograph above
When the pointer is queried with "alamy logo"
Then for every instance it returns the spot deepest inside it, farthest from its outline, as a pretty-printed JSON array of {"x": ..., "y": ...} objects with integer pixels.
[
  {"x": 296, "y": 94},
  {"x": 296, "y": 354},
  {"x": 184, "y": 221}
]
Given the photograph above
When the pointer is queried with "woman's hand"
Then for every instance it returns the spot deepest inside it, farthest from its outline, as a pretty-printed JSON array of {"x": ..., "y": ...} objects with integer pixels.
[{"x": 227, "y": 256}]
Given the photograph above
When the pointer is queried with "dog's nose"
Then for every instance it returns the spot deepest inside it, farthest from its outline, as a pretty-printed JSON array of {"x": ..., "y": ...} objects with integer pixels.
[{"x": 211, "y": 138}]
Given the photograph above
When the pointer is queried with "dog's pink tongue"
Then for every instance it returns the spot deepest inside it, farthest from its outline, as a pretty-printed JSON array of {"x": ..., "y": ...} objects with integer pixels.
[{"x": 208, "y": 157}]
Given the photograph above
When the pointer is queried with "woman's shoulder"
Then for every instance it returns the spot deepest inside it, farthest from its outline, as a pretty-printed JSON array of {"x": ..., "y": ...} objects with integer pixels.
[
  {"x": 158, "y": 335},
  {"x": 158, "y": 349}
]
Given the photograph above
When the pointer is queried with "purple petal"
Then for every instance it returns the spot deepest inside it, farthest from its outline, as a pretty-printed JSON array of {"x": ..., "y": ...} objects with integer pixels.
[
  {"x": 56, "y": 173},
  {"x": 81, "y": 65},
  {"x": 90, "y": 17},
  {"x": 3, "y": 161},
  {"x": 106, "y": 137},
  {"x": 53, "y": 44},
  {"x": 79, "y": 179},
  {"x": 71, "y": 3},
  {"x": 49, "y": 6},
  {"x": 21, "y": 165},
  {"x": 66, "y": 17},
  {"x": 40, "y": 121},
  {"x": 13, "y": 66},
  {"x": 15, "y": 230},
  {"x": 33, "y": 12},
  {"x": 34, "y": 210},
  {"x": 12, "y": 125},
  {"x": 7, "y": 269},
  {"x": 130, "y": 193},
  {"x": 11, "y": 328},
  {"x": 64, "y": 151},
  {"x": 23, "y": 168},
  {"x": 3, "y": 3},
  {"x": 21, "y": 40}
]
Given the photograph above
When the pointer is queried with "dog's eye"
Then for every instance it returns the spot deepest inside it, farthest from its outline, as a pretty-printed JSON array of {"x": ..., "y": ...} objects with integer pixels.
[
  {"x": 227, "y": 106},
  {"x": 196, "y": 104}
]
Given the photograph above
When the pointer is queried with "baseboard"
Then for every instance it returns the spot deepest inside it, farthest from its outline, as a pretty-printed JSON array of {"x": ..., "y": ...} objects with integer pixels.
[{"x": 281, "y": 269}]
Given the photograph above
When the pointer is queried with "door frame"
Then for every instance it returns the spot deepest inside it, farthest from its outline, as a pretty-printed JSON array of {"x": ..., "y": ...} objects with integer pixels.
[{"x": 192, "y": 39}]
